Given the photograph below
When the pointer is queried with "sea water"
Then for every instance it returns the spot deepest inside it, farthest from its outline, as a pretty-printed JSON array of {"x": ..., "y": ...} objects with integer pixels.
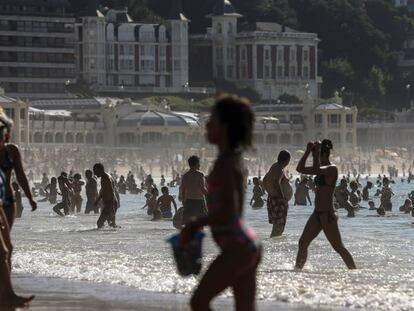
[{"x": 137, "y": 255}]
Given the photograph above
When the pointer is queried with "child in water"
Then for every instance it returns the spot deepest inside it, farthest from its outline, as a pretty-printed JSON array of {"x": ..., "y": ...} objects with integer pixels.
[
  {"x": 257, "y": 202},
  {"x": 18, "y": 198},
  {"x": 164, "y": 203},
  {"x": 371, "y": 206}
]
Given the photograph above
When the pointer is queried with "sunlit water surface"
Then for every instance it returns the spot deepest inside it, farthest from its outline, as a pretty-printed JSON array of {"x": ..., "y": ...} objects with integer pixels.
[{"x": 137, "y": 255}]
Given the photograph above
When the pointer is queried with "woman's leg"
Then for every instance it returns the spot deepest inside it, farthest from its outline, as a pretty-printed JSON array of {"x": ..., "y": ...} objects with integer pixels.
[
  {"x": 221, "y": 274},
  {"x": 244, "y": 287},
  {"x": 7, "y": 295},
  {"x": 6, "y": 240},
  {"x": 331, "y": 230},
  {"x": 311, "y": 231},
  {"x": 10, "y": 211}
]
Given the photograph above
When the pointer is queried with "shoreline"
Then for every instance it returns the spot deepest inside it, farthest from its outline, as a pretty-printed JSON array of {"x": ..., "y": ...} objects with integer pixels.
[{"x": 61, "y": 294}]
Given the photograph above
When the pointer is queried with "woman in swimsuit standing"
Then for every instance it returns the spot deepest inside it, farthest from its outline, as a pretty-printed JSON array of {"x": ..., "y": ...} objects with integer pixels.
[
  {"x": 9, "y": 159},
  {"x": 230, "y": 128},
  {"x": 324, "y": 216}
]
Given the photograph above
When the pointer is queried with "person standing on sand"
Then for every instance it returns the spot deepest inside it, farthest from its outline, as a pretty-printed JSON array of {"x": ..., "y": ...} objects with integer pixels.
[
  {"x": 277, "y": 201},
  {"x": 107, "y": 195},
  {"x": 192, "y": 191},
  {"x": 92, "y": 194},
  {"x": 324, "y": 216},
  {"x": 230, "y": 128}
]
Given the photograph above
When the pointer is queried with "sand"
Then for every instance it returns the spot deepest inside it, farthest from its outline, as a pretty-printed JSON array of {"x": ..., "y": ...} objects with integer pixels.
[{"x": 64, "y": 295}]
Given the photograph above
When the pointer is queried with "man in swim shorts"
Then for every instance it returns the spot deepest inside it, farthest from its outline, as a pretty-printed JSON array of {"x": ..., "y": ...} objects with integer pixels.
[
  {"x": 277, "y": 202},
  {"x": 192, "y": 193}
]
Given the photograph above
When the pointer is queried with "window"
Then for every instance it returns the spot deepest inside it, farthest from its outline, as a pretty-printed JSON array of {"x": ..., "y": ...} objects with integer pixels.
[
  {"x": 306, "y": 55},
  {"x": 142, "y": 50},
  {"x": 292, "y": 54},
  {"x": 279, "y": 54},
  {"x": 334, "y": 120},
  {"x": 306, "y": 72},
  {"x": 230, "y": 72},
  {"x": 280, "y": 71},
  {"x": 162, "y": 51},
  {"x": 267, "y": 54},
  {"x": 163, "y": 65},
  {"x": 243, "y": 54},
  {"x": 219, "y": 28},
  {"x": 318, "y": 119},
  {"x": 349, "y": 119},
  {"x": 230, "y": 29},
  {"x": 121, "y": 49},
  {"x": 267, "y": 72},
  {"x": 292, "y": 71},
  {"x": 243, "y": 71}
]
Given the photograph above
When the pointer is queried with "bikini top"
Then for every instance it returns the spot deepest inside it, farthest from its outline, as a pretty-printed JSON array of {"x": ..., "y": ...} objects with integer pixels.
[{"x": 7, "y": 164}]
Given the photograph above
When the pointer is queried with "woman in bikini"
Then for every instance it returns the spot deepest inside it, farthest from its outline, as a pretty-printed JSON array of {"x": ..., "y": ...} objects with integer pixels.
[
  {"x": 324, "y": 216},
  {"x": 230, "y": 128},
  {"x": 10, "y": 160}
]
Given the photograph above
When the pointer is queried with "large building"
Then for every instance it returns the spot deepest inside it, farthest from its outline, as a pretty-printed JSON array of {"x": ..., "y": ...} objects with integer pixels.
[
  {"x": 37, "y": 56},
  {"x": 268, "y": 57},
  {"x": 117, "y": 54},
  {"x": 117, "y": 123}
]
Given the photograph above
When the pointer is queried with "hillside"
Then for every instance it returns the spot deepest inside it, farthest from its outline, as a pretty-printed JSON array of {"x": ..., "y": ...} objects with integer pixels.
[{"x": 360, "y": 40}]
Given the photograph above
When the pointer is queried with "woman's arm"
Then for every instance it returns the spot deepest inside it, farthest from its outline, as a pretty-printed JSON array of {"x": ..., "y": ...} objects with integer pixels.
[
  {"x": 301, "y": 168},
  {"x": 21, "y": 176}
]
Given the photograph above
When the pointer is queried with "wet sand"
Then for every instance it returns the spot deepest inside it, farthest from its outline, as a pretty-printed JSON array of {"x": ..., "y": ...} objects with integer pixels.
[{"x": 58, "y": 294}]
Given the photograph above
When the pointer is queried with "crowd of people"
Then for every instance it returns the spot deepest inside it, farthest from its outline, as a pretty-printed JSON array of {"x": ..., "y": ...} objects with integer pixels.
[{"x": 215, "y": 200}]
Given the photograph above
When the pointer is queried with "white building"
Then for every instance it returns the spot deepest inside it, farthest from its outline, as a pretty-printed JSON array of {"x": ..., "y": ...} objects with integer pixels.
[
  {"x": 268, "y": 57},
  {"x": 117, "y": 54}
]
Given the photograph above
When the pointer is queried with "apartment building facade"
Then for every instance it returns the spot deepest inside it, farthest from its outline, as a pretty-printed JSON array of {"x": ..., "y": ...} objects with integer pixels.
[
  {"x": 268, "y": 57},
  {"x": 117, "y": 54},
  {"x": 37, "y": 56}
]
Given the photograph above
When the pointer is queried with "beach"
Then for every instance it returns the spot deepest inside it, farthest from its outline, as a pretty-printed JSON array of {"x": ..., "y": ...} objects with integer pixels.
[{"x": 67, "y": 261}]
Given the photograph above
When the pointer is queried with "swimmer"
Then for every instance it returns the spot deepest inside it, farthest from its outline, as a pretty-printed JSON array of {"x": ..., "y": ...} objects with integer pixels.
[
  {"x": 230, "y": 128},
  {"x": 257, "y": 202},
  {"x": 153, "y": 206},
  {"x": 355, "y": 195},
  {"x": 192, "y": 191},
  {"x": 92, "y": 194},
  {"x": 77, "y": 189},
  {"x": 386, "y": 195},
  {"x": 277, "y": 201},
  {"x": 164, "y": 203},
  {"x": 365, "y": 191},
  {"x": 407, "y": 207},
  {"x": 381, "y": 211},
  {"x": 302, "y": 193},
  {"x": 107, "y": 195},
  {"x": 371, "y": 206},
  {"x": 342, "y": 197},
  {"x": 51, "y": 191},
  {"x": 324, "y": 216},
  {"x": 65, "y": 191}
]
